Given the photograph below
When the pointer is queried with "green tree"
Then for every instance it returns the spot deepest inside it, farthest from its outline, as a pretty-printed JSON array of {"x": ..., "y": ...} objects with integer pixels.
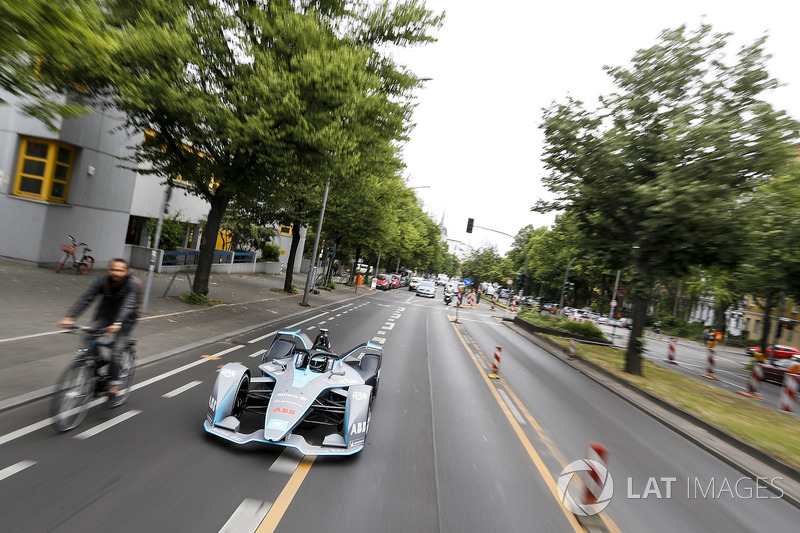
[{"x": 654, "y": 176}]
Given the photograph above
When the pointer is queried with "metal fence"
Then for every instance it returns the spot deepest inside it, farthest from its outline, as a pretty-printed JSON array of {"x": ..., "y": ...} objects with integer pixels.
[{"x": 190, "y": 257}]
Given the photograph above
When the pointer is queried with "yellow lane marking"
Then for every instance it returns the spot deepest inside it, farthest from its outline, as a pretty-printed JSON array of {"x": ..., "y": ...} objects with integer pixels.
[
  {"x": 212, "y": 357},
  {"x": 288, "y": 493},
  {"x": 537, "y": 461}
]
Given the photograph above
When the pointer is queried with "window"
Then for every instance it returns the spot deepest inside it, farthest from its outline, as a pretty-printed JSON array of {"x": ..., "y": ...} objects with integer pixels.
[
  {"x": 757, "y": 328},
  {"x": 285, "y": 230},
  {"x": 44, "y": 170}
]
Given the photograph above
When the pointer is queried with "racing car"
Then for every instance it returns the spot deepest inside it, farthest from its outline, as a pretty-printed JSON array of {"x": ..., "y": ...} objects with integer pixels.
[{"x": 304, "y": 396}]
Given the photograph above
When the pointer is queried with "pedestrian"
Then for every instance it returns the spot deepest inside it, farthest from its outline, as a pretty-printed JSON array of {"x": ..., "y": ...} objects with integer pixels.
[
  {"x": 706, "y": 334},
  {"x": 120, "y": 301}
]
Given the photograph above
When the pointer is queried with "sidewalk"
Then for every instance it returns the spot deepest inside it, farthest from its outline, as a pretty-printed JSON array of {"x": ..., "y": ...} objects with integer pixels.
[{"x": 34, "y": 350}]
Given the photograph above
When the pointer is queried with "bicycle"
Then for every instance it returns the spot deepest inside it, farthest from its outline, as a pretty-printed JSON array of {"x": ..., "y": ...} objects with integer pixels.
[
  {"x": 85, "y": 378},
  {"x": 84, "y": 264}
]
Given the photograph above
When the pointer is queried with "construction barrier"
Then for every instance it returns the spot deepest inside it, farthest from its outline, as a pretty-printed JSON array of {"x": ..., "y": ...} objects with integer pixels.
[
  {"x": 789, "y": 391},
  {"x": 572, "y": 348},
  {"x": 471, "y": 299},
  {"x": 671, "y": 350},
  {"x": 592, "y": 480},
  {"x": 513, "y": 306},
  {"x": 710, "y": 365},
  {"x": 496, "y": 363},
  {"x": 754, "y": 382},
  {"x": 494, "y": 300}
]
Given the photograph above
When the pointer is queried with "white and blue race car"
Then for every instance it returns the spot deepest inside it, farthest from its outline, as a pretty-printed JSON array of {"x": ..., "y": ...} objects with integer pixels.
[{"x": 304, "y": 396}]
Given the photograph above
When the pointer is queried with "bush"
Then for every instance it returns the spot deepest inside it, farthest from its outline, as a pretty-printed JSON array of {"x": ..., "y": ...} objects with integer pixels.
[
  {"x": 270, "y": 252},
  {"x": 584, "y": 329}
]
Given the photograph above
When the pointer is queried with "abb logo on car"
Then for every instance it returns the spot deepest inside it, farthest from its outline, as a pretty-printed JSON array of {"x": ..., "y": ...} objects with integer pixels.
[{"x": 283, "y": 410}]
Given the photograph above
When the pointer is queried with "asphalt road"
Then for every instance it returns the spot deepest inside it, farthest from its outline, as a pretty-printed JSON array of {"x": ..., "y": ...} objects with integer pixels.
[{"x": 449, "y": 450}]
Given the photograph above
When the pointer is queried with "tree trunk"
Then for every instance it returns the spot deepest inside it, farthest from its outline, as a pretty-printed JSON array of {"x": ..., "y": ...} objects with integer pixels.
[
  {"x": 219, "y": 203},
  {"x": 287, "y": 281},
  {"x": 633, "y": 356},
  {"x": 767, "y": 324},
  {"x": 355, "y": 265}
]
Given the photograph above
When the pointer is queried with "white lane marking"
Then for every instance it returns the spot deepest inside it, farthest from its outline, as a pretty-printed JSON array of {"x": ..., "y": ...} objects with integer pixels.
[
  {"x": 379, "y": 340},
  {"x": 271, "y": 333},
  {"x": 105, "y": 425},
  {"x": 395, "y": 315},
  {"x": 400, "y": 309},
  {"x": 286, "y": 463},
  {"x": 262, "y": 337},
  {"x": 168, "y": 374},
  {"x": 179, "y": 390},
  {"x": 381, "y": 333},
  {"x": 256, "y": 354},
  {"x": 247, "y": 517},
  {"x": 14, "y": 469},
  {"x": 512, "y": 408},
  {"x": 389, "y": 325},
  {"x": 340, "y": 308}
]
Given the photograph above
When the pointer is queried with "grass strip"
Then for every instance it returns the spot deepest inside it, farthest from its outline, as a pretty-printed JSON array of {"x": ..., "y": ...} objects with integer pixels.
[{"x": 774, "y": 432}]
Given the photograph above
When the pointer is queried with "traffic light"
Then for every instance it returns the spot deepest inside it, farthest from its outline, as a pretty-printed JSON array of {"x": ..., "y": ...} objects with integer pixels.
[{"x": 470, "y": 222}]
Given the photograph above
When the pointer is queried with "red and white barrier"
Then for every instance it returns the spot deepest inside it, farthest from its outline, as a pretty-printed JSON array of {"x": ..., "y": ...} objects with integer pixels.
[
  {"x": 592, "y": 479},
  {"x": 671, "y": 350},
  {"x": 572, "y": 348},
  {"x": 496, "y": 362},
  {"x": 471, "y": 299},
  {"x": 756, "y": 377},
  {"x": 710, "y": 365},
  {"x": 513, "y": 307},
  {"x": 790, "y": 389}
]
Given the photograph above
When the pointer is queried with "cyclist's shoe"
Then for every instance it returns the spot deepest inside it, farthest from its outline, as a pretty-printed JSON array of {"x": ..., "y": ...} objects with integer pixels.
[{"x": 115, "y": 399}]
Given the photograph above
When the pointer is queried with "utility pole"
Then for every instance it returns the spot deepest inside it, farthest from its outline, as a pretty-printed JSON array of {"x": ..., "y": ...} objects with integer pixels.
[
  {"x": 154, "y": 250},
  {"x": 312, "y": 271}
]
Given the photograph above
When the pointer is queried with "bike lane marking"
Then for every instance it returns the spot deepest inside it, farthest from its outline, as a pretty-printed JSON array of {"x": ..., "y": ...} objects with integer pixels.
[
  {"x": 289, "y": 327},
  {"x": 107, "y": 424},
  {"x": 8, "y": 437}
]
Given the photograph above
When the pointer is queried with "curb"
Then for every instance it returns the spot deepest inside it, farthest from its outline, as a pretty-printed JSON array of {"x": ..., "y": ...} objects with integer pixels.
[
  {"x": 756, "y": 453},
  {"x": 47, "y": 391}
]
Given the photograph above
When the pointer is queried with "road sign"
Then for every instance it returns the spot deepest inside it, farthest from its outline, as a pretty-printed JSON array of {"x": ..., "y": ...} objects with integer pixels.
[
  {"x": 622, "y": 291},
  {"x": 467, "y": 281},
  {"x": 509, "y": 282},
  {"x": 613, "y": 303}
]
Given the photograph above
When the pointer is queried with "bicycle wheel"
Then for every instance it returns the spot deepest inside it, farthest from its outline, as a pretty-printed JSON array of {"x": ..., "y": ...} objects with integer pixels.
[
  {"x": 61, "y": 264},
  {"x": 74, "y": 391},
  {"x": 127, "y": 369},
  {"x": 86, "y": 264}
]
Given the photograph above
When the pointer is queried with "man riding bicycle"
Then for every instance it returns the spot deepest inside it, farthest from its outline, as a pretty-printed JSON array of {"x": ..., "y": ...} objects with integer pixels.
[{"x": 117, "y": 314}]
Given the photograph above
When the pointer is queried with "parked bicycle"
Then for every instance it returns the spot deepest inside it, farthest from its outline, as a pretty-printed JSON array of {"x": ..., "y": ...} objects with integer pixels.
[
  {"x": 87, "y": 377},
  {"x": 84, "y": 264}
]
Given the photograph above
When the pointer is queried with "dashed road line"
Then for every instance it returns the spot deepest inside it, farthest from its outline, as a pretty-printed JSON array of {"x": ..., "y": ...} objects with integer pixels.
[
  {"x": 247, "y": 516},
  {"x": 180, "y": 390},
  {"x": 15, "y": 469},
  {"x": 106, "y": 425}
]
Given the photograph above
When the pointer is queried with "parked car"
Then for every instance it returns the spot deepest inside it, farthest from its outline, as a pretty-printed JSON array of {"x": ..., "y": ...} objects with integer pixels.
[
  {"x": 395, "y": 281},
  {"x": 383, "y": 282},
  {"x": 427, "y": 288},
  {"x": 782, "y": 351},
  {"x": 776, "y": 370},
  {"x": 414, "y": 283}
]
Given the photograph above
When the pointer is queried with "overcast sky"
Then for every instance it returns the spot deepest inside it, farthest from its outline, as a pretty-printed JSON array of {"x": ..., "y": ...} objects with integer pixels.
[{"x": 477, "y": 148}]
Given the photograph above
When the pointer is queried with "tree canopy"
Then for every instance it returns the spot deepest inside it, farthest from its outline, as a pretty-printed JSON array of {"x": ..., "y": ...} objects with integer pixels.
[{"x": 654, "y": 176}]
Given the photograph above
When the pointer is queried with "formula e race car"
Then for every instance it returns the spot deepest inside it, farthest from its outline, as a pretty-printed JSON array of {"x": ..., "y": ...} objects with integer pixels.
[{"x": 304, "y": 396}]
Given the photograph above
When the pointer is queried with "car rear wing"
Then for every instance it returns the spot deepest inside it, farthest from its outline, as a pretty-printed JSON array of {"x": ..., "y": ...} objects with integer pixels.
[{"x": 369, "y": 345}]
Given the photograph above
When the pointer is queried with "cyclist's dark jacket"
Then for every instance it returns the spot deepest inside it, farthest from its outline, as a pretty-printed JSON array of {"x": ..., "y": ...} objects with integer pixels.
[{"x": 119, "y": 304}]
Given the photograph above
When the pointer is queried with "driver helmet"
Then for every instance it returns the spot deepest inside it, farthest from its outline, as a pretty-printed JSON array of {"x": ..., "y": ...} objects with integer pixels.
[{"x": 318, "y": 363}]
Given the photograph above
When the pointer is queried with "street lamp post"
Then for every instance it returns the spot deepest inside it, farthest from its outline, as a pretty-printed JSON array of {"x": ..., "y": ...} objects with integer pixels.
[{"x": 312, "y": 271}]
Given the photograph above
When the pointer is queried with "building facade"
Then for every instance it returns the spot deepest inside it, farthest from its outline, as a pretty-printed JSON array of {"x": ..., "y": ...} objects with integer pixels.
[{"x": 74, "y": 183}]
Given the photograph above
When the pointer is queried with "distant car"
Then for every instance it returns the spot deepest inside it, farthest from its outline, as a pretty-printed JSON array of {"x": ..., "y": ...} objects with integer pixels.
[
  {"x": 626, "y": 323},
  {"x": 414, "y": 283},
  {"x": 782, "y": 351},
  {"x": 383, "y": 282},
  {"x": 427, "y": 288},
  {"x": 776, "y": 370},
  {"x": 395, "y": 281}
]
